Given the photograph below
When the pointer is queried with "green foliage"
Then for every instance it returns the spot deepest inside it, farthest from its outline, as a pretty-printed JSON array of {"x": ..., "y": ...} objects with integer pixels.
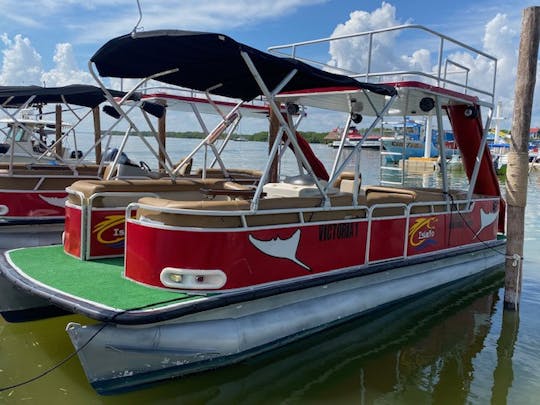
[{"x": 312, "y": 137}]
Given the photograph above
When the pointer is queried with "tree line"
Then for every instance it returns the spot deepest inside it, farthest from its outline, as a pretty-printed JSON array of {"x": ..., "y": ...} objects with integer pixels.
[{"x": 312, "y": 137}]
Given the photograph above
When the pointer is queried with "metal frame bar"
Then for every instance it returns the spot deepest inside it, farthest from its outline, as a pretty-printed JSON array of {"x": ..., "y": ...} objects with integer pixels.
[{"x": 443, "y": 39}]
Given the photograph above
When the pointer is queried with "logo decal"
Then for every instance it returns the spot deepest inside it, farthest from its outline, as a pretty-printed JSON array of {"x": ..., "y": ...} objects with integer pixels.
[
  {"x": 4, "y": 209},
  {"x": 111, "y": 231},
  {"x": 422, "y": 231},
  {"x": 56, "y": 201},
  {"x": 486, "y": 219},
  {"x": 281, "y": 248}
]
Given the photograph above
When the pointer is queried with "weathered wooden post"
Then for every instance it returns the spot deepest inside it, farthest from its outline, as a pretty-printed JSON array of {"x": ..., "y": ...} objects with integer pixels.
[
  {"x": 272, "y": 134},
  {"x": 97, "y": 133},
  {"x": 518, "y": 157}
]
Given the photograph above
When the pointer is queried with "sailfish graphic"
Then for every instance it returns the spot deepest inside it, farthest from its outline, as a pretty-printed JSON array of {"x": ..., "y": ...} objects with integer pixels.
[
  {"x": 56, "y": 201},
  {"x": 486, "y": 219},
  {"x": 281, "y": 248}
]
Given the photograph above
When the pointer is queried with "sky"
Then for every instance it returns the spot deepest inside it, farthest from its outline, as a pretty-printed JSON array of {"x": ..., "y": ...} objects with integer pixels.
[{"x": 49, "y": 42}]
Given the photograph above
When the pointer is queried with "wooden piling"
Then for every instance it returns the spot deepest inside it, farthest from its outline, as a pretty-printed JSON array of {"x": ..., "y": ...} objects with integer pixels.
[
  {"x": 97, "y": 133},
  {"x": 518, "y": 157},
  {"x": 272, "y": 134},
  {"x": 58, "y": 131}
]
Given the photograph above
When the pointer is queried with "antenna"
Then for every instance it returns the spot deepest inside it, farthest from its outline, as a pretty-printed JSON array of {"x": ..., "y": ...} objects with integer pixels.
[{"x": 136, "y": 27}]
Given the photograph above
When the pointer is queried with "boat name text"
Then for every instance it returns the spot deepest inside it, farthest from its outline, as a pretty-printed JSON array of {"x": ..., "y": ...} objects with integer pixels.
[{"x": 338, "y": 231}]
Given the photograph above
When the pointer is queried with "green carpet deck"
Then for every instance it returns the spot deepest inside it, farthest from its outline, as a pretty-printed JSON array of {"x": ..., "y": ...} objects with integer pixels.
[{"x": 100, "y": 281}]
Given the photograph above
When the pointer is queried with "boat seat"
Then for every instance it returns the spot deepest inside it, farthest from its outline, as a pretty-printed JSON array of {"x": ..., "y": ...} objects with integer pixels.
[
  {"x": 283, "y": 189},
  {"x": 232, "y": 190},
  {"x": 43, "y": 177},
  {"x": 265, "y": 204},
  {"x": 234, "y": 174},
  {"x": 389, "y": 195},
  {"x": 186, "y": 189},
  {"x": 345, "y": 182},
  {"x": 47, "y": 169}
]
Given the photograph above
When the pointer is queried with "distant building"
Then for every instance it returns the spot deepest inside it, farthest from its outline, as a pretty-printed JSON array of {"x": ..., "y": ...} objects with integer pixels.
[{"x": 333, "y": 135}]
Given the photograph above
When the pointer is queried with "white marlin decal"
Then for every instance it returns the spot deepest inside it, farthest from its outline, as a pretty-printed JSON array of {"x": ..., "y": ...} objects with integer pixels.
[
  {"x": 56, "y": 201},
  {"x": 282, "y": 248},
  {"x": 486, "y": 219}
]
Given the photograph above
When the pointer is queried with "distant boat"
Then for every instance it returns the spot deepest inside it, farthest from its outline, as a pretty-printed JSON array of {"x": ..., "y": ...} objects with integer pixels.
[
  {"x": 408, "y": 141},
  {"x": 499, "y": 152},
  {"x": 354, "y": 137}
]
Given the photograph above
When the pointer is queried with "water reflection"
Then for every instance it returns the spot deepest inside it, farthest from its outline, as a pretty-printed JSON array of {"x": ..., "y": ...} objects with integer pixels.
[{"x": 504, "y": 373}]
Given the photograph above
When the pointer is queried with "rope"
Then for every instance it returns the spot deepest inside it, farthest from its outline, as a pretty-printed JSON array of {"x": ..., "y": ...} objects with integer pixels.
[
  {"x": 76, "y": 352},
  {"x": 468, "y": 226}
]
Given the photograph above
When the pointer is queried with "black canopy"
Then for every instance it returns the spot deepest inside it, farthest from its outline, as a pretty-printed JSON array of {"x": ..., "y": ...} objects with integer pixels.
[
  {"x": 207, "y": 59},
  {"x": 75, "y": 94}
]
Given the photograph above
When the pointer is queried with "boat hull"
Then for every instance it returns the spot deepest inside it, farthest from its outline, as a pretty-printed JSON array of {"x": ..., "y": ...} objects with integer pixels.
[
  {"x": 117, "y": 358},
  {"x": 15, "y": 304}
]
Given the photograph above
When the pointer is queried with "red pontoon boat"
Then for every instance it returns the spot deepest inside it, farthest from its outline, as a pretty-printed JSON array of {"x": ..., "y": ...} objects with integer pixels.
[{"x": 223, "y": 270}]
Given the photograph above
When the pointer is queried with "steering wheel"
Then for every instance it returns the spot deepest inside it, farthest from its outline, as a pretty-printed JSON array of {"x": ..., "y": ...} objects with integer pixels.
[{"x": 144, "y": 166}]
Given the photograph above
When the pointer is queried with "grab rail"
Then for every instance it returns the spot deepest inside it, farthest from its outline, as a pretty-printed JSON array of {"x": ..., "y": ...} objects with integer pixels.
[{"x": 439, "y": 76}]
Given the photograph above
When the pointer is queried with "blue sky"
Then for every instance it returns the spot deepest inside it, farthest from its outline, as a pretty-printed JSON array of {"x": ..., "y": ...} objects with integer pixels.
[{"x": 51, "y": 40}]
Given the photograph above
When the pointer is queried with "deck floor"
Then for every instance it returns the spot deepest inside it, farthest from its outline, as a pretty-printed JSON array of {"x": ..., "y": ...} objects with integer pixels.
[{"x": 98, "y": 281}]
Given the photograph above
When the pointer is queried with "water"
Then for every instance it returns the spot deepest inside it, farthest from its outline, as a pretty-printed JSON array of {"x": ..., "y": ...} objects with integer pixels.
[{"x": 453, "y": 346}]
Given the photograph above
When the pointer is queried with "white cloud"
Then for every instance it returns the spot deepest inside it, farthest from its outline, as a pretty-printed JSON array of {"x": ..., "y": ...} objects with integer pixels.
[
  {"x": 359, "y": 21},
  {"x": 66, "y": 70},
  {"x": 500, "y": 39},
  {"x": 419, "y": 60},
  {"x": 21, "y": 64}
]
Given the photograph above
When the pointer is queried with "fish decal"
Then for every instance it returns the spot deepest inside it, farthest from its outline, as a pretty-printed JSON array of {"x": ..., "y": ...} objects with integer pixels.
[
  {"x": 56, "y": 201},
  {"x": 486, "y": 219},
  {"x": 281, "y": 248},
  {"x": 4, "y": 209}
]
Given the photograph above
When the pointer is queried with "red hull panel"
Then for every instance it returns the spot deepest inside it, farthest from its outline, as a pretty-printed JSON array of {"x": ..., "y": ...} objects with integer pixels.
[
  {"x": 250, "y": 257},
  {"x": 389, "y": 235},
  {"x": 73, "y": 231},
  {"x": 320, "y": 248},
  {"x": 32, "y": 204},
  {"x": 104, "y": 232}
]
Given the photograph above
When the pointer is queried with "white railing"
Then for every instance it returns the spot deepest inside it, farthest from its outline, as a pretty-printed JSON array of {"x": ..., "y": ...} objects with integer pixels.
[
  {"x": 445, "y": 207},
  {"x": 440, "y": 76}
]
